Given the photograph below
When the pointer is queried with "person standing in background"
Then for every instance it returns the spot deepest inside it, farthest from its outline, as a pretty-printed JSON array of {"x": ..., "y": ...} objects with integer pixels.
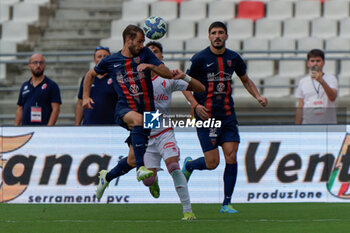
[
  {"x": 102, "y": 93},
  {"x": 316, "y": 93},
  {"x": 39, "y": 98}
]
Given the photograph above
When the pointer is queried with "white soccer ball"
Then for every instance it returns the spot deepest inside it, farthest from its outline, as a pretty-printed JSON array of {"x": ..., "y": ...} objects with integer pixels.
[{"x": 154, "y": 27}]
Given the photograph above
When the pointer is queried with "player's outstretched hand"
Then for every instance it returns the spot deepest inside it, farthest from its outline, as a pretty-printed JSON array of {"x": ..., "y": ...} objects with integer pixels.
[
  {"x": 201, "y": 111},
  {"x": 178, "y": 74},
  {"x": 87, "y": 103},
  {"x": 262, "y": 100}
]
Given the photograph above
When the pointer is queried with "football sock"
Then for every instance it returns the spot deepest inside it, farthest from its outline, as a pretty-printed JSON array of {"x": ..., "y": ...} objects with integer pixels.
[
  {"x": 180, "y": 186},
  {"x": 230, "y": 176},
  {"x": 138, "y": 140},
  {"x": 122, "y": 168},
  {"x": 197, "y": 164}
]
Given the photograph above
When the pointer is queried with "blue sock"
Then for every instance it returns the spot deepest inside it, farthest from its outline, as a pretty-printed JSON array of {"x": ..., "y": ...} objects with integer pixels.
[
  {"x": 230, "y": 176},
  {"x": 197, "y": 164},
  {"x": 122, "y": 168},
  {"x": 138, "y": 140}
]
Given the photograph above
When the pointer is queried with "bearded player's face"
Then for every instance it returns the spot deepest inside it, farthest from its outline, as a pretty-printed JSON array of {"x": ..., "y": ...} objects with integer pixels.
[
  {"x": 137, "y": 44},
  {"x": 217, "y": 37}
]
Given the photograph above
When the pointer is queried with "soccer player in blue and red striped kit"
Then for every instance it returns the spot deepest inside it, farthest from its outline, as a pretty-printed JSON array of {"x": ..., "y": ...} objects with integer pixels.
[
  {"x": 130, "y": 69},
  {"x": 214, "y": 67}
]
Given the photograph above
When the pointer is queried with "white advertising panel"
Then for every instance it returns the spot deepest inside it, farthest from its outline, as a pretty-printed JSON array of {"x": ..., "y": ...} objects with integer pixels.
[{"x": 275, "y": 164}]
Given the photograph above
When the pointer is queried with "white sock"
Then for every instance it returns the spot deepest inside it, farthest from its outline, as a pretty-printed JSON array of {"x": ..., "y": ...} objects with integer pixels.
[{"x": 182, "y": 189}]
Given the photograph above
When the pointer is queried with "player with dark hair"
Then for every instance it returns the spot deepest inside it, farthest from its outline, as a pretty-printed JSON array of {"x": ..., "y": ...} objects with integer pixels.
[
  {"x": 214, "y": 67},
  {"x": 316, "y": 93},
  {"x": 162, "y": 143},
  {"x": 130, "y": 69},
  {"x": 104, "y": 96}
]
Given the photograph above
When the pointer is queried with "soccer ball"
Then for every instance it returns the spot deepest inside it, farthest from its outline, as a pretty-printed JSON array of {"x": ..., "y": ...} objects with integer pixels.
[{"x": 154, "y": 27}]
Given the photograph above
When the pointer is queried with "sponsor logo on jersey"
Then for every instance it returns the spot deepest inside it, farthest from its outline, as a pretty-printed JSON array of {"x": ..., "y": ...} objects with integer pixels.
[
  {"x": 161, "y": 97},
  {"x": 163, "y": 83},
  {"x": 137, "y": 60},
  {"x": 220, "y": 87},
  {"x": 134, "y": 88}
]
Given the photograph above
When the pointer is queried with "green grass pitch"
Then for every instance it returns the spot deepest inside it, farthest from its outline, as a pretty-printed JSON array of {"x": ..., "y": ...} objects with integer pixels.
[{"x": 166, "y": 218}]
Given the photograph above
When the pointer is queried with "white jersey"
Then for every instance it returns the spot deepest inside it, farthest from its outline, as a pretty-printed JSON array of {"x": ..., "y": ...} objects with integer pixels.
[
  {"x": 162, "y": 90},
  {"x": 317, "y": 106}
]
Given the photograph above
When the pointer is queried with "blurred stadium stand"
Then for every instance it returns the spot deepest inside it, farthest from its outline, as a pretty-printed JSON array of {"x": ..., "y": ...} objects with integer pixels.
[{"x": 273, "y": 38}]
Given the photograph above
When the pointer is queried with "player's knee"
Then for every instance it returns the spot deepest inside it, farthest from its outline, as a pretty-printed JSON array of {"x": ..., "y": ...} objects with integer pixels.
[
  {"x": 173, "y": 166},
  {"x": 137, "y": 120},
  {"x": 231, "y": 158},
  {"x": 212, "y": 164},
  {"x": 131, "y": 162}
]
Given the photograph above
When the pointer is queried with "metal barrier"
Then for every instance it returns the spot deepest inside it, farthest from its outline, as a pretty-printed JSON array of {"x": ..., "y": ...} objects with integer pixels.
[
  {"x": 86, "y": 57},
  {"x": 61, "y": 56}
]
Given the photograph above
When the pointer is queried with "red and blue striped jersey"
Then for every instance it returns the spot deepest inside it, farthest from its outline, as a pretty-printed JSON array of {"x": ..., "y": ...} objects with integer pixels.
[
  {"x": 133, "y": 88},
  {"x": 215, "y": 72}
]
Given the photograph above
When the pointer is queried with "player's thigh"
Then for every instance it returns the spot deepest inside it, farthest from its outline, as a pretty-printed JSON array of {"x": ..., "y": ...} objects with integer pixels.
[
  {"x": 207, "y": 139},
  {"x": 229, "y": 131},
  {"x": 230, "y": 152},
  {"x": 132, "y": 119},
  {"x": 152, "y": 156}
]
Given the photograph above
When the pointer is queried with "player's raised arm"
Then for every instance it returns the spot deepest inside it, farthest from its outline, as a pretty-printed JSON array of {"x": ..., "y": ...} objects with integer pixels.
[
  {"x": 194, "y": 84},
  {"x": 161, "y": 70},
  {"x": 89, "y": 79}
]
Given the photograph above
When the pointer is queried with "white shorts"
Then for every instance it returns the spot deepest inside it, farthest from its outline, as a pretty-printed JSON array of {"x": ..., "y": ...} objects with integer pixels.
[{"x": 163, "y": 146}]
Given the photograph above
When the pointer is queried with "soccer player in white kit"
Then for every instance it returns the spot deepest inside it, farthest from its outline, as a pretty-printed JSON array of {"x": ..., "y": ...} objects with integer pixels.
[{"x": 162, "y": 143}]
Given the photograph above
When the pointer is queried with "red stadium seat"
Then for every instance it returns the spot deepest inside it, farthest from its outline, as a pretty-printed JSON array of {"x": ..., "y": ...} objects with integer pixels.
[
  {"x": 251, "y": 10},
  {"x": 178, "y": 1}
]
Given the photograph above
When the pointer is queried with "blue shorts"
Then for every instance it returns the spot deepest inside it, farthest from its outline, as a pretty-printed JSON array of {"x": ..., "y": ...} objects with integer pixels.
[
  {"x": 211, "y": 138},
  {"x": 120, "y": 110}
]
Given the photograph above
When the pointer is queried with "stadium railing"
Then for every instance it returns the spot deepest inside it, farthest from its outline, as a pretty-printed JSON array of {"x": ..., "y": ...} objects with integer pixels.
[{"x": 85, "y": 57}]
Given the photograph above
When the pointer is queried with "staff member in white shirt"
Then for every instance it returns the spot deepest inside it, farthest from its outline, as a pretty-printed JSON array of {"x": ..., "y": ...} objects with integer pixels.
[{"x": 316, "y": 93}]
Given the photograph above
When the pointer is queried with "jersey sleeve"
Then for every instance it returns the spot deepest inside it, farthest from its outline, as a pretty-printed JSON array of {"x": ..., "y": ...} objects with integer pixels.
[
  {"x": 179, "y": 85},
  {"x": 102, "y": 66},
  {"x": 55, "y": 94},
  {"x": 80, "y": 93},
  {"x": 332, "y": 82},
  {"x": 20, "y": 99},
  {"x": 298, "y": 92},
  {"x": 241, "y": 66},
  {"x": 192, "y": 70}
]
